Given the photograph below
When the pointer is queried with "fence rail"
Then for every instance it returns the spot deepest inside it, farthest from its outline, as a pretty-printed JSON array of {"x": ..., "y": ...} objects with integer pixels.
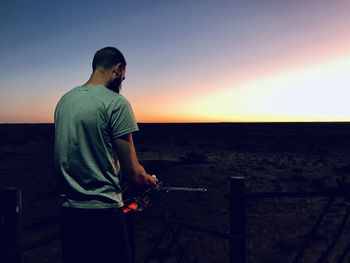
[{"x": 336, "y": 191}]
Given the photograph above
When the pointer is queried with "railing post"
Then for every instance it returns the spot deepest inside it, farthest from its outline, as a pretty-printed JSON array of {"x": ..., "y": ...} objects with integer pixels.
[
  {"x": 10, "y": 211},
  {"x": 237, "y": 220}
]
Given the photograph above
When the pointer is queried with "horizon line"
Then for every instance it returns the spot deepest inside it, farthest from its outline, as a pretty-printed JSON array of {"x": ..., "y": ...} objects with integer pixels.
[{"x": 195, "y": 122}]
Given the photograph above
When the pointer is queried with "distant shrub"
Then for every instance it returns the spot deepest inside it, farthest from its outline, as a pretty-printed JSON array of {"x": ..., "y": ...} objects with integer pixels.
[{"x": 194, "y": 158}]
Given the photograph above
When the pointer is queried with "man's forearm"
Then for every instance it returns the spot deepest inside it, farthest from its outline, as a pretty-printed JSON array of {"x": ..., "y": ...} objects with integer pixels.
[{"x": 132, "y": 169}]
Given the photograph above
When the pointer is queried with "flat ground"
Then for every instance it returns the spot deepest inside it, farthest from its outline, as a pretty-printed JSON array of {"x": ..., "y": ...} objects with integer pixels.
[{"x": 272, "y": 157}]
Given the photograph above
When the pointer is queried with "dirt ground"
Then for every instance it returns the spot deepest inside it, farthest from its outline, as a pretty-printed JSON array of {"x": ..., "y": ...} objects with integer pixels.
[{"x": 277, "y": 157}]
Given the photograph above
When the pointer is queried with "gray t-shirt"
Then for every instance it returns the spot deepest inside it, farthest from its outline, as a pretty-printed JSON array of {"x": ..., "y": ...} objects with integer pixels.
[{"x": 87, "y": 121}]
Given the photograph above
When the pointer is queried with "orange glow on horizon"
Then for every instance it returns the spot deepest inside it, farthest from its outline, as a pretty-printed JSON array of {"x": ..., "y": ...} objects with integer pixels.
[{"x": 317, "y": 93}]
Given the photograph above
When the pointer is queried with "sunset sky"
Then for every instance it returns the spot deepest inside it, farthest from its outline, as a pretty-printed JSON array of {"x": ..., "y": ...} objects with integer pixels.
[{"x": 188, "y": 61}]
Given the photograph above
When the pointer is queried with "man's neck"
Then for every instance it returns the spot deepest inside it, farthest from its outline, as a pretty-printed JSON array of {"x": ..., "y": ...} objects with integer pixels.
[{"x": 96, "y": 80}]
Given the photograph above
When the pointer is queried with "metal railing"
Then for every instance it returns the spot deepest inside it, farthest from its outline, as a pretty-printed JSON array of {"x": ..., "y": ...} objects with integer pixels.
[{"x": 10, "y": 210}]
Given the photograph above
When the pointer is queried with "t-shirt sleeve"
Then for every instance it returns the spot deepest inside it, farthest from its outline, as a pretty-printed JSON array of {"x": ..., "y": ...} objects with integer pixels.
[{"x": 122, "y": 119}]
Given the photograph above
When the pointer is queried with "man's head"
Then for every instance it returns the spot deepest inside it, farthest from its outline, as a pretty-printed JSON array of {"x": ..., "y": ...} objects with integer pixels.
[{"x": 110, "y": 62}]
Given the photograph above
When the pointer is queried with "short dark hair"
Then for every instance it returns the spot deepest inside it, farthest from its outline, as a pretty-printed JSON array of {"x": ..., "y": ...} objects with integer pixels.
[{"x": 107, "y": 57}]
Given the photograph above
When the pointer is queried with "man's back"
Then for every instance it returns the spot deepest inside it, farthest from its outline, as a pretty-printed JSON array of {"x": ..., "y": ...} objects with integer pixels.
[
  {"x": 87, "y": 121},
  {"x": 93, "y": 134}
]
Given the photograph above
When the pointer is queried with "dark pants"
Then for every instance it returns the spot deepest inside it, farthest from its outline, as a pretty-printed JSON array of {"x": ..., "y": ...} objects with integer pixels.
[{"x": 94, "y": 235}]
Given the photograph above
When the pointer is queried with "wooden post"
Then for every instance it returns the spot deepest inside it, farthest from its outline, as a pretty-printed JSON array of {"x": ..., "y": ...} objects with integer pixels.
[
  {"x": 10, "y": 211},
  {"x": 237, "y": 220}
]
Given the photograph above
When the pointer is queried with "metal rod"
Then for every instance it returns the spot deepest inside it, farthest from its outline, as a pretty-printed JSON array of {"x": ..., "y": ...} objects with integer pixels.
[{"x": 186, "y": 189}]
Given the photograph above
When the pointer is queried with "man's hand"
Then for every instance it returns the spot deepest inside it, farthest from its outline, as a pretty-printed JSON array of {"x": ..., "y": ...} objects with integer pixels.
[
  {"x": 150, "y": 180},
  {"x": 154, "y": 180}
]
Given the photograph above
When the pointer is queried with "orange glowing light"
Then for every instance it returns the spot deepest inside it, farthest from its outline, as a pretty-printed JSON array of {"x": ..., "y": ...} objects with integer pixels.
[{"x": 133, "y": 206}]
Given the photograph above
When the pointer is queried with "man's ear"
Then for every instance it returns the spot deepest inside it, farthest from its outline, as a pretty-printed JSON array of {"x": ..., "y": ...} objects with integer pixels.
[{"x": 118, "y": 69}]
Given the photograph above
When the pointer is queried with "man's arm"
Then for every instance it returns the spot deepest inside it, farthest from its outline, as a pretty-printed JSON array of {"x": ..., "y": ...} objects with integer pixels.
[{"x": 133, "y": 171}]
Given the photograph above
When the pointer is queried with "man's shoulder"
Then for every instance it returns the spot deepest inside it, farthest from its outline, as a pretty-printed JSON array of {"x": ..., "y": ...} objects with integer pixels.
[
  {"x": 119, "y": 100},
  {"x": 111, "y": 95}
]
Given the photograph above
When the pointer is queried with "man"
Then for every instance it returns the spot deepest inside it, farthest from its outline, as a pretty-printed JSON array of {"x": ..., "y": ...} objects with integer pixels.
[{"x": 94, "y": 151}]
